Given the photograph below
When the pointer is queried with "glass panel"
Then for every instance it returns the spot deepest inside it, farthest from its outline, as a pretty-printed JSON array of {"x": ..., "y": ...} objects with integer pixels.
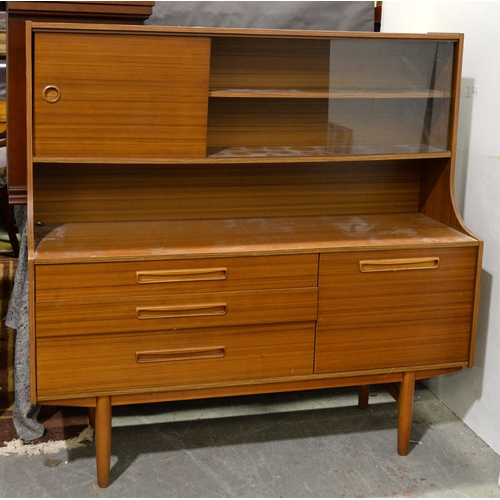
[
  {"x": 354, "y": 97},
  {"x": 389, "y": 96}
]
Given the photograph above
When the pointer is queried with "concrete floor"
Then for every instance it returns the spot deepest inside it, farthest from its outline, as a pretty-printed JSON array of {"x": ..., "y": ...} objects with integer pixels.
[{"x": 310, "y": 444}]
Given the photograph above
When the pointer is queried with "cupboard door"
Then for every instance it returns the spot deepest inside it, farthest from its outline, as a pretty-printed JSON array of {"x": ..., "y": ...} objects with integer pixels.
[
  {"x": 391, "y": 96},
  {"x": 122, "y": 96},
  {"x": 307, "y": 98},
  {"x": 395, "y": 309}
]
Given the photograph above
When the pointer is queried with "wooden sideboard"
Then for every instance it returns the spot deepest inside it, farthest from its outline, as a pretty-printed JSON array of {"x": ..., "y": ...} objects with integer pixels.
[{"x": 218, "y": 212}]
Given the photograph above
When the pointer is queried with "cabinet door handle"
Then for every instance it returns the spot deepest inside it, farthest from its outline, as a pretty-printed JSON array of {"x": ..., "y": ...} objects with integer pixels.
[
  {"x": 372, "y": 266},
  {"x": 180, "y": 275},
  {"x": 187, "y": 311},
  {"x": 51, "y": 94},
  {"x": 179, "y": 354}
]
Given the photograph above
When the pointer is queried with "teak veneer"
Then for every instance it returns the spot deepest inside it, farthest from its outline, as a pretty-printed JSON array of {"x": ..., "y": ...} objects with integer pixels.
[{"x": 217, "y": 212}]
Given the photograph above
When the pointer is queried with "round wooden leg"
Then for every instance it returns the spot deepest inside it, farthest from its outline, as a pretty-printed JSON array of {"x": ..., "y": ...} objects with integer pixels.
[
  {"x": 363, "y": 396},
  {"x": 103, "y": 439},
  {"x": 405, "y": 412}
]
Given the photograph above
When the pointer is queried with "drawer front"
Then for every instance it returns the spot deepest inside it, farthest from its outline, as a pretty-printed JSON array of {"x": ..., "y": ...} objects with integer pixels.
[
  {"x": 395, "y": 309},
  {"x": 84, "y": 317},
  {"x": 67, "y": 281},
  {"x": 124, "y": 363}
]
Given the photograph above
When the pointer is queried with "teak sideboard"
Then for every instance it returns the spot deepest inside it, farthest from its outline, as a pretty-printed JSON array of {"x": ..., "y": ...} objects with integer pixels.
[{"x": 218, "y": 212}]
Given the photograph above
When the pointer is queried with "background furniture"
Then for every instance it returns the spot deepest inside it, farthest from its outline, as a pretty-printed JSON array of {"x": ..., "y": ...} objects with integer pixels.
[
  {"x": 218, "y": 212},
  {"x": 7, "y": 209},
  {"x": 8, "y": 215}
]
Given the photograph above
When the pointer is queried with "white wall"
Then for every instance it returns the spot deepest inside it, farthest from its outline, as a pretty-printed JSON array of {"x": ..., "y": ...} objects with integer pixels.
[{"x": 474, "y": 395}]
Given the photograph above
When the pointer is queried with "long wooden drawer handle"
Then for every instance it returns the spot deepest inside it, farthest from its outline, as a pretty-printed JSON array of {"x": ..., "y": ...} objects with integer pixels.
[
  {"x": 180, "y": 275},
  {"x": 187, "y": 311},
  {"x": 372, "y": 266},
  {"x": 179, "y": 354}
]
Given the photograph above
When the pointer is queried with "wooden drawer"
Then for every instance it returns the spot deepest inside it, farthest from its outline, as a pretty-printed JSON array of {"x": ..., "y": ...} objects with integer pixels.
[
  {"x": 395, "y": 309},
  {"x": 68, "y": 281},
  {"x": 135, "y": 362},
  {"x": 84, "y": 317}
]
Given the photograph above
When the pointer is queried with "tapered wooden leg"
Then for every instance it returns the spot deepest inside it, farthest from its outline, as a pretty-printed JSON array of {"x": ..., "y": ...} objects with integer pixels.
[
  {"x": 103, "y": 439},
  {"x": 363, "y": 396},
  {"x": 92, "y": 417},
  {"x": 405, "y": 411}
]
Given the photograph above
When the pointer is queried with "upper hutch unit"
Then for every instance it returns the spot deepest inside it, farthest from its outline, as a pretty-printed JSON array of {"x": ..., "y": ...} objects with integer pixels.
[{"x": 219, "y": 212}]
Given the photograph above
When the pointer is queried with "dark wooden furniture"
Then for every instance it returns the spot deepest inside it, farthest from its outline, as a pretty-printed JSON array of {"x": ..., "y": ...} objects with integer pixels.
[
  {"x": 8, "y": 214},
  {"x": 17, "y": 14},
  {"x": 7, "y": 208},
  {"x": 225, "y": 212}
]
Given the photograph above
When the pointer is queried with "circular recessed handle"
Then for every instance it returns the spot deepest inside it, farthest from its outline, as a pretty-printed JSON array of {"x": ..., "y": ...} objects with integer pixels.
[{"x": 51, "y": 94}]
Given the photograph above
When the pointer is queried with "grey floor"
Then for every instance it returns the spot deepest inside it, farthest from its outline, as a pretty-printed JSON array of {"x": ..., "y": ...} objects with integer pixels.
[{"x": 310, "y": 444}]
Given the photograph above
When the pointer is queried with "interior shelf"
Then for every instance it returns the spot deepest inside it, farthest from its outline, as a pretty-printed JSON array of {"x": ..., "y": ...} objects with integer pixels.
[
  {"x": 332, "y": 94},
  {"x": 323, "y": 151},
  {"x": 270, "y": 93},
  {"x": 258, "y": 155}
]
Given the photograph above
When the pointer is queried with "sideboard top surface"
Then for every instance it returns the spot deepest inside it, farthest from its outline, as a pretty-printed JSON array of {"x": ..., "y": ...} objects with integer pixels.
[{"x": 155, "y": 240}]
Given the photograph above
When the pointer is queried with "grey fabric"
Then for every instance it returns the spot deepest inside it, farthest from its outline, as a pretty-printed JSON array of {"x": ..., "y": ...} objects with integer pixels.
[
  {"x": 335, "y": 16},
  {"x": 24, "y": 414},
  {"x": 17, "y": 315}
]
